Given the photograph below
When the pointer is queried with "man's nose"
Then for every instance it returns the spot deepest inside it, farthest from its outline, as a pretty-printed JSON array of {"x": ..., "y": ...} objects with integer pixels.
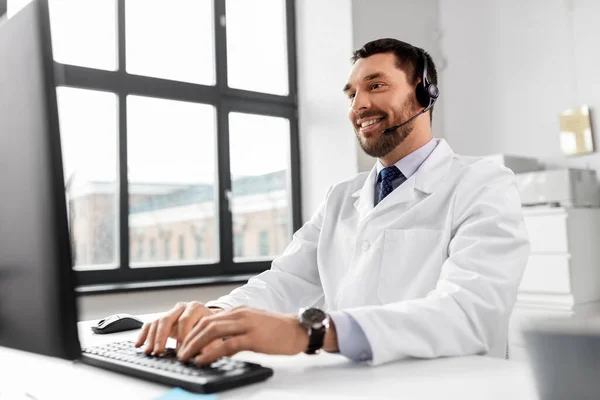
[{"x": 360, "y": 102}]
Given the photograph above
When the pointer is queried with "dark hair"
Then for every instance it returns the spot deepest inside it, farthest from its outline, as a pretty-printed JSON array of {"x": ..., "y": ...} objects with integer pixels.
[{"x": 408, "y": 58}]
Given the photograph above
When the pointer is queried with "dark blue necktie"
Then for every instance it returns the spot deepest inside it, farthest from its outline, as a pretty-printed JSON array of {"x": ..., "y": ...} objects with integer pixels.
[{"x": 386, "y": 177}]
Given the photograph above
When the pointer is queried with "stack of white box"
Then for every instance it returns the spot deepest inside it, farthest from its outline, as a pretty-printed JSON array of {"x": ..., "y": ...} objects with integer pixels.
[{"x": 562, "y": 277}]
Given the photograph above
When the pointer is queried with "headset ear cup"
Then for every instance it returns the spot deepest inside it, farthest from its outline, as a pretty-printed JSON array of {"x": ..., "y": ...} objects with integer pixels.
[
  {"x": 433, "y": 91},
  {"x": 422, "y": 95}
]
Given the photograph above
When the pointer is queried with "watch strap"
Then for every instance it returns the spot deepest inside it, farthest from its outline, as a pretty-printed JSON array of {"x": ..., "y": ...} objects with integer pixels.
[{"x": 316, "y": 337}]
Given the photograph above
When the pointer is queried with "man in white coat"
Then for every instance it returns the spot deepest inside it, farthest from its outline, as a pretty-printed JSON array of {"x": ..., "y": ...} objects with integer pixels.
[{"x": 421, "y": 257}]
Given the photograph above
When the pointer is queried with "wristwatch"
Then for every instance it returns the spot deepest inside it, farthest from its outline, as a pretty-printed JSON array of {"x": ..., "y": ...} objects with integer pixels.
[{"x": 316, "y": 322}]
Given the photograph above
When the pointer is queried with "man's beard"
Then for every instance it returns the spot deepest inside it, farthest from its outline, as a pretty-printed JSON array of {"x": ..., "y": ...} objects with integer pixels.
[{"x": 384, "y": 144}]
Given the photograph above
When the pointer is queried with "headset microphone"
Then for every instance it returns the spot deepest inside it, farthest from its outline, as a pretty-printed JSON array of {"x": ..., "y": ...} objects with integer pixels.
[
  {"x": 427, "y": 93},
  {"x": 391, "y": 130}
]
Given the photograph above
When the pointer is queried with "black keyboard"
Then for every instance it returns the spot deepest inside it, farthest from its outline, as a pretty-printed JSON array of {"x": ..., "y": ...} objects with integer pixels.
[{"x": 225, "y": 373}]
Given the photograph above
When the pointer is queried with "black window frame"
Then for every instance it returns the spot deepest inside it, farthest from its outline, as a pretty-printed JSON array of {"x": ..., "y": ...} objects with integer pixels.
[{"x": 225, "y": 100}]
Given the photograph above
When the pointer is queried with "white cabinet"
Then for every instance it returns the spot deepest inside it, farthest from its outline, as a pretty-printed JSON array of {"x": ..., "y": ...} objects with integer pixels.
[
  {"x": 547, "y": 273},
  {"x": 547, "y": 228},
  {"x": 562, "y": 277}
]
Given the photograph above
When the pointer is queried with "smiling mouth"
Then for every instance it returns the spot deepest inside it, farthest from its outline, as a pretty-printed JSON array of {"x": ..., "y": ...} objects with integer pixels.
[{"x": 373, "y": 126}]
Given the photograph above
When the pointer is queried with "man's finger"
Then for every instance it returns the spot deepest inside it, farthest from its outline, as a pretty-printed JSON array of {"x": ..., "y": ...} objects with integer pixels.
[
  {"x": 232, "y": 315},
  {"x": 196, "y": 329},
  {"x": 190, "y": 317},
  {"x": 214, "y": 330},
  {"x": 143, "y": 334},
  {"x": 165, "y": 325},
  {"x": 150, "y": 342},
  {"x": 162, "y": 334},
  {"x": 225, "y": 349}
]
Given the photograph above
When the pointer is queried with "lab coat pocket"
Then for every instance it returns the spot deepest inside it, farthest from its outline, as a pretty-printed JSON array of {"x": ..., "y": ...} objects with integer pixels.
[{"x": 411, "y": 262}]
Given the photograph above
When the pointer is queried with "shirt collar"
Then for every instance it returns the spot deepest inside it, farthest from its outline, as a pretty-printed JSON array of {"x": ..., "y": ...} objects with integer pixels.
[{"x": 411, "y": 163}]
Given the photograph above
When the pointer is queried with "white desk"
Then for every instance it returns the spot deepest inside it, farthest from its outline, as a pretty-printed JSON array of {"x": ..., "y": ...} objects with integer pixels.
[{"x": 326, "y": 374}]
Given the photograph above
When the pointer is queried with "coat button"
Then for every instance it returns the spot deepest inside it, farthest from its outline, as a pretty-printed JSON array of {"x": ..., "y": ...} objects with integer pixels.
[{"x": 365, "y": 245}]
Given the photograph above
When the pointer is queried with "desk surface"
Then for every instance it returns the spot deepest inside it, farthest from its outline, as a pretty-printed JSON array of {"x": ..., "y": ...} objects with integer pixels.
[{"x": 309, "y": 377}]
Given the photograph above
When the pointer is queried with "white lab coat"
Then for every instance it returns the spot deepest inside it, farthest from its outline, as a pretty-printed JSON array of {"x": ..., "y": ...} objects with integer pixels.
[{"x": 431, "y": 271}]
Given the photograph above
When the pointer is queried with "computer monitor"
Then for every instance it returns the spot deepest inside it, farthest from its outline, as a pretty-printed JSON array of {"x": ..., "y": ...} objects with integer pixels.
[{"x": 37, "y": 299}]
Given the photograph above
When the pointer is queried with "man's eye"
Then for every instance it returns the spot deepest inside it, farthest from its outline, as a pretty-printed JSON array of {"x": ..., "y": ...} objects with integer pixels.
[
  {"x": 351, "y": 96},
  {"x": 376, "y": 86}
]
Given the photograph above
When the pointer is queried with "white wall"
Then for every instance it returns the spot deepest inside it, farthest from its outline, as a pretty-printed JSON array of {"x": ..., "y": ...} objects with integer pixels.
[
  {"x": 415, "y": 22},
  {"x": 327, "y": 148},
  {"x": 513, "y": 66}
]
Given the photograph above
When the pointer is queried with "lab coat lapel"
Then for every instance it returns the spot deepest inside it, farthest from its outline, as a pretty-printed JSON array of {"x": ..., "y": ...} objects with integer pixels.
[
  {"x": 434, "y": 170},
  {"x": 366, "y": 195}
]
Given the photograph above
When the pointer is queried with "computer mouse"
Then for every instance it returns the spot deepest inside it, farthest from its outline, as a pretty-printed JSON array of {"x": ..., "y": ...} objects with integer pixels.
[{"x": 117, "y": 323}]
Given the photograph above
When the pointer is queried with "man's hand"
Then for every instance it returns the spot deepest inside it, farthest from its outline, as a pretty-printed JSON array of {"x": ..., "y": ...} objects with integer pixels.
[
  {"x": 176, "y": 324},
  {"x": 244, "y": 329}
]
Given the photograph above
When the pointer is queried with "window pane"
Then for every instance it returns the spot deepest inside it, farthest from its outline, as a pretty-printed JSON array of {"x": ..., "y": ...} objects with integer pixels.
[
  {"x": 198, "y": 247},
  {"x": 171, "y": 169},
  {"x": 238, "y": 244},
  {"x": 260, "y": 182},
  {"x": 181, "y": 247},
  {"x": 257, "y": 46},
  {"x": 84, "y": 32},
  {"x": 88, "y": 124},
  {"x": 171, "y": 39},
  {"x": 264, "y": 244}
]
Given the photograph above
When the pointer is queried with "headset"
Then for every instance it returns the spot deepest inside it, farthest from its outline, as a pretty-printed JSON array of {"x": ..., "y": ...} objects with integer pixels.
[{"x": 427, "y": 94}]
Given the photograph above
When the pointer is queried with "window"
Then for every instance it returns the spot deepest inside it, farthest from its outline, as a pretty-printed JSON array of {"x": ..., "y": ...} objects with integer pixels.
[
  {"x": 166, "y": 248},
  {"x": 171, "y": 172},
  {"x": 182, "y": 247},
  {"x": 260, "y": 181},
  {"x": 94, "y": 45},
  {"x": 263, "y": 245},
  {"x": 249, "y": 35},
  {"x": 88, "y": 124},
  {"x": 152, "y": 248},
  {"x": 238, "y": 243},
  {"x": 167, "y": 52},
  {"x": 178, "y": 121},
  {"x": 95, "y": 23},
  {"x": 82, "y": 253},
  {"x": 140, "y": 248},
  {"x": 198, "y": 247}
]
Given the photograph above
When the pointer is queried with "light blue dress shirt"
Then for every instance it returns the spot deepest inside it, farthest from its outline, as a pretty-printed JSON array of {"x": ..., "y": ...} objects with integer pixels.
[{"x": 352, "y": 341}]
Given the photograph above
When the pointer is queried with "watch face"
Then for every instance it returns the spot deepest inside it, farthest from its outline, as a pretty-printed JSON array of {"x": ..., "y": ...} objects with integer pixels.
[{"x": 313, "y": 316}]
